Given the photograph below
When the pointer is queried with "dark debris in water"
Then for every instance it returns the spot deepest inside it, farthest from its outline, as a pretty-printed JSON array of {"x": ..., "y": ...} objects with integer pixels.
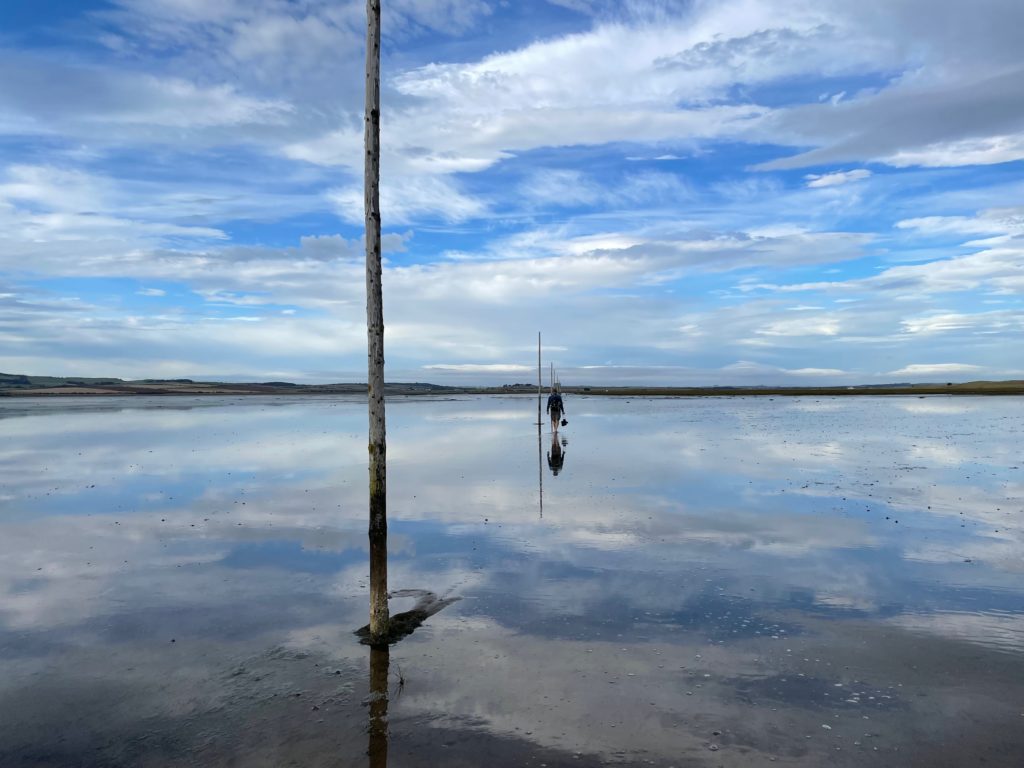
[{"x": 403, "y": 624}]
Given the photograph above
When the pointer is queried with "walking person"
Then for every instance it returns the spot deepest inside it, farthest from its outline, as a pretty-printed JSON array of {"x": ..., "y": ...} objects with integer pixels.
[{"x": 555, "y": 407}]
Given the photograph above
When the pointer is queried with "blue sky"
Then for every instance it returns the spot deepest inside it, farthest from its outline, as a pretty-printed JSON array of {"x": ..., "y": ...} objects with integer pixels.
[{"x": 742, "y": 191}]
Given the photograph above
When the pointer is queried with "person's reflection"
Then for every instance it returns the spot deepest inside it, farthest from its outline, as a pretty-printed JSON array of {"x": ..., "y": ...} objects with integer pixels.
[
  {"x": 556, "y": 456},
  {"x": 380, "y": 661}
]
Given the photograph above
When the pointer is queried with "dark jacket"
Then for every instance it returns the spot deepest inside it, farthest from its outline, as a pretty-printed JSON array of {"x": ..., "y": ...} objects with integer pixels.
[{"x": 555, "y": 403}]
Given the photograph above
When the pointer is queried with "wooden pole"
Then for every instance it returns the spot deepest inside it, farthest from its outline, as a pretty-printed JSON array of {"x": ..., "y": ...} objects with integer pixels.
[
  {"x": 540, "y": 423},
  {"x": 539, "y": 386},
  {"x": 375, "y": 336}
]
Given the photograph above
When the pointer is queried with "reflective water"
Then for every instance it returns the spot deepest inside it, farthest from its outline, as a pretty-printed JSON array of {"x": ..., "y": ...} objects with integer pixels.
[{"x": 703, "y": 582}]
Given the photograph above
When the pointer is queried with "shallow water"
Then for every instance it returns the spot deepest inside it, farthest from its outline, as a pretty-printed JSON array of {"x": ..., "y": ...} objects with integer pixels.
[{"x": 718, "y": 581}]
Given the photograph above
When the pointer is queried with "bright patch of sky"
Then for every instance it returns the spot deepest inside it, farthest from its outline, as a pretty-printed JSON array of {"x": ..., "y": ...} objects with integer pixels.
[{"x": 728, "y": 192}]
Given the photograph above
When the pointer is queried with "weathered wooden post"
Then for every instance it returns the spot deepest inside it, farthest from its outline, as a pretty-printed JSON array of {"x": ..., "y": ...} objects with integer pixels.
[{"x": 375, "y": 336}]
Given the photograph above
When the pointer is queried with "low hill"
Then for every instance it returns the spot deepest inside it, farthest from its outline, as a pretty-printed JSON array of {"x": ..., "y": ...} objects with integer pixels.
[{"x": 25, "y": 386}]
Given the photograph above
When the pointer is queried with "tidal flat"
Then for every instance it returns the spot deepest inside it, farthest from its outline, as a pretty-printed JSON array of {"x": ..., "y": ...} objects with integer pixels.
[{"x": 672, "y": 582}]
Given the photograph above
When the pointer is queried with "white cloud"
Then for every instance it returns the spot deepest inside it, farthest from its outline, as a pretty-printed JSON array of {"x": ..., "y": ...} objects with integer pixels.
[
  {"x": 441, "y": 139},
  {"x": 580, "y": 6},
  {"x": 996, "y": 268},
  {"x": 406, "y": 199},
  {"x": 660, "y": 158},
  {"x": 916, "y": 121},
  {"x": 54, "y": 188},
  {"x": 980, "y": 322},
  {"x": 110, "y": 220},
  {"x": 561, "y": 188},
  {"x": 763, "y": 373},
  {"x": 280, "y": 36},
  {"x": 929, "y": 369},
  {"x": 445, "y": 16},
  {"x": 835, "y": 179},
  {"x": 480, "y": 367},
  {"x": 817, "y": 372},
  {"x": 818, "y": 325},
  {"x": 572, "y": 188},
  {"x": 109, "y": 104},
  {"x": 1008, "y": 221},
  {"x": 988, "y": 150}
]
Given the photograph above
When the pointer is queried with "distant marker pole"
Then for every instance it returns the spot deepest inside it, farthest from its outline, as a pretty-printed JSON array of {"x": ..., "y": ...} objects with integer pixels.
[
  {"x": 540, "y": 424},
  {"x": 539, "y": 384}
]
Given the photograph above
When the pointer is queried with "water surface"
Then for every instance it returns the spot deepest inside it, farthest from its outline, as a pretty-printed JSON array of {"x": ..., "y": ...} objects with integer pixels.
[{"x": 715, "y": 581}]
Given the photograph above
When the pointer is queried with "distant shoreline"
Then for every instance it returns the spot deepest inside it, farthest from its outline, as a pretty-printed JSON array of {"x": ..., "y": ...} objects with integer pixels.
[{"x": 45, "y": 386}]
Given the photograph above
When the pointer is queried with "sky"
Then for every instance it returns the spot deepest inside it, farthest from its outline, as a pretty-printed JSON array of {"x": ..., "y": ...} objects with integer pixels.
[{"x": 674, "y": 192}]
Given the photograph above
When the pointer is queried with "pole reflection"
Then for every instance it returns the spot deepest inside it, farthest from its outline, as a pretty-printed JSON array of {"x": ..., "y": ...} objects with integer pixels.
[
  {"x": 380, "y": 664},
  {"x": 540, "y": 467}
]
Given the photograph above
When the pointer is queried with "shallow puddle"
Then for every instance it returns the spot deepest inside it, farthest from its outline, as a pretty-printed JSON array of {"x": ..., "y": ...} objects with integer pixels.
[{"x": 717, "y": 581}]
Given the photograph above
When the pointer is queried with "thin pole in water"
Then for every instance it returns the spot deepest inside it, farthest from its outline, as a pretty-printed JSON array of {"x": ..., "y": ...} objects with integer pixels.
[
  {"x": 375, "y": 336},
  {"x": 539, "y": 385},
  {"x": 540, "y": 423}
]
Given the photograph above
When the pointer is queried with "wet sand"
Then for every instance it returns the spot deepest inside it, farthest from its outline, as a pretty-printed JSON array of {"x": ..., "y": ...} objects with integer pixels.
[{"x": 736, "y": 582}]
